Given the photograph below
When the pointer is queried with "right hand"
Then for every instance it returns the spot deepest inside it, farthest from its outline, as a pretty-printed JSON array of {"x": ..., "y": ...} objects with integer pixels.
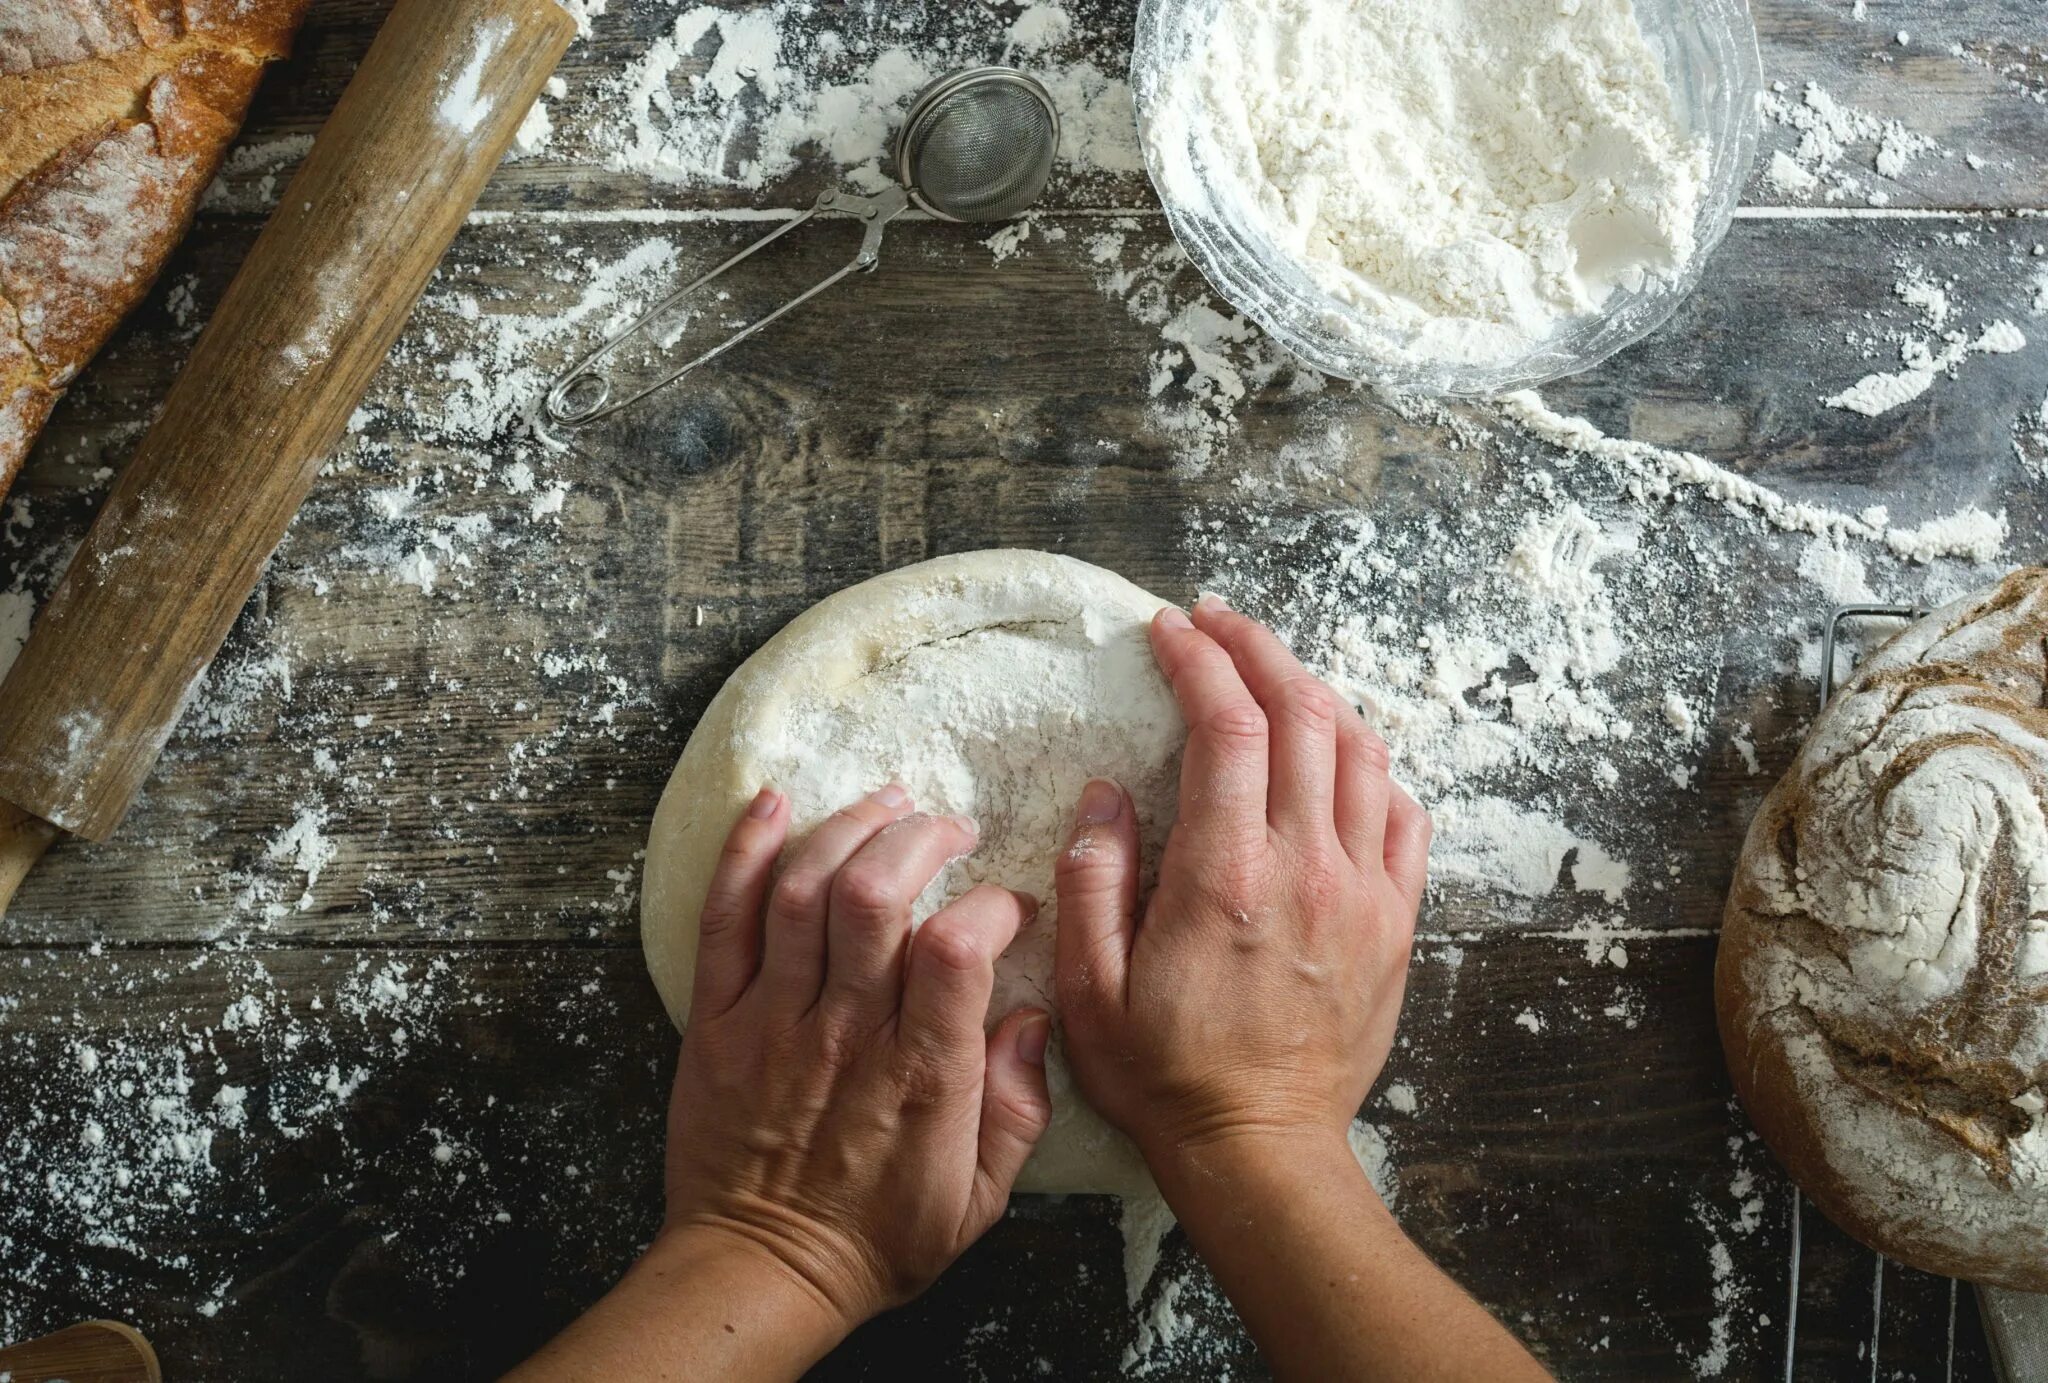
[{"x": 1257, "y": 995}]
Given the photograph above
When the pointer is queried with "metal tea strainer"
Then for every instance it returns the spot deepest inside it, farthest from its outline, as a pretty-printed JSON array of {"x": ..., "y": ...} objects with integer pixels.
[{"x": 977, "y": 145}]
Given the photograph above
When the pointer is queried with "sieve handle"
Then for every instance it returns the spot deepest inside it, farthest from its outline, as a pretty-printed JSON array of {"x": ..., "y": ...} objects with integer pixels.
[
  {"x": 1831, "y": 634},
  {"x": 582, "y": 394}
]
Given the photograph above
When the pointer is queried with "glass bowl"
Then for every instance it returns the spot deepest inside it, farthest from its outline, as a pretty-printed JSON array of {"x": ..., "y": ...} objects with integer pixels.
[{"x": 1708, "y": 49}]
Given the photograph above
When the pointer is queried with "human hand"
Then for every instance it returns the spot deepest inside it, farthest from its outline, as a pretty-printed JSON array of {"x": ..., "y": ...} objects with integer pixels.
[
  {"x": 837, "y": 1109},
  {"x": 1257, "y": 997}
]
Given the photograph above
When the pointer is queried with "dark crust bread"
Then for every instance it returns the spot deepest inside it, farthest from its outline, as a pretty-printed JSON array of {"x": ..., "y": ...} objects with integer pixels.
[
  {"x": 1888, "y": 1065},
  {"x": 114, "y": 117}
]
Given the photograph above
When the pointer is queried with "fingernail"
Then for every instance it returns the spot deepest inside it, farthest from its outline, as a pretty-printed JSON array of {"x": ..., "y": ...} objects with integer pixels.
[
  {"x": 967, "y": 824},
  {"x": 1211, "y": 601},
  {"x": 1026, "y": 902},
  {"x": 891, "y": 796},
  {"x": 1032, "y": 1035},
  {"x": 1173, "y": 617},
  {"x": 765, "y": 804},
  {"x": 1101, "y": 803}
]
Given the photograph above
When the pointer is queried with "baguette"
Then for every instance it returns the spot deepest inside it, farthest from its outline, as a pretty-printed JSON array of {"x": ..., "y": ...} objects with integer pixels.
[{"x": 114, "y": 117}]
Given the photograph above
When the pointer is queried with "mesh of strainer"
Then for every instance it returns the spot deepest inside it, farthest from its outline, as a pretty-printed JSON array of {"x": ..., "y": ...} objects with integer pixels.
[{"x": 979, "y": 145}]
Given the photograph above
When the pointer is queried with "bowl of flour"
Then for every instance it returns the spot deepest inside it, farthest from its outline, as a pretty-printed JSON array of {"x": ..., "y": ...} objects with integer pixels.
[{"x": 1461, "y": 197}]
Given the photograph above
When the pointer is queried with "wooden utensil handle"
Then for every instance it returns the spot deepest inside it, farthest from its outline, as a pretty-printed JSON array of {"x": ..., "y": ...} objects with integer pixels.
[
  {"x": 181, "y": 541},
  {"x": 95, "y": 1352},
  {"x": 23, "y": 839}
]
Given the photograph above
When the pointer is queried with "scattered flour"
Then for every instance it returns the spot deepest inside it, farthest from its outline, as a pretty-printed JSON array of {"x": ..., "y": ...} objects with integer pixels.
[
  {"x": 1876, "y": 394},
  {"x": 1160, "y": 1326},
  {"x": 1836, "y": 571},
  {"x": 171, "y": 1116},
  {"x": 583, "y": 11},
  {"x": 535, "y": 131},
  {"x": 1827, "y": 132},
  {"x": 1005, "y": 243},
  {"x": 464, "y": 106},
  {"x": 1970, "y": 534},
  {"x": 1490, "y": 842},
  {"x": 305, "y": 847},
  {"x": 1657, "y": 471},
  {"x": 739, "y": 99},
  {"x": 1038, "y": 27}
]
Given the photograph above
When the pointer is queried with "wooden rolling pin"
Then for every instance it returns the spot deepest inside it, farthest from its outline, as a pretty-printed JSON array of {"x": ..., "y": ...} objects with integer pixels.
[
  {"x": 183, "y": 538},
  {"x": 96, "y": 1352}
]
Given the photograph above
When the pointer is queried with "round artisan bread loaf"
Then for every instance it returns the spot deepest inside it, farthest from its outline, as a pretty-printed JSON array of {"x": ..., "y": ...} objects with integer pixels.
[{"x": 1882, "y": 982}]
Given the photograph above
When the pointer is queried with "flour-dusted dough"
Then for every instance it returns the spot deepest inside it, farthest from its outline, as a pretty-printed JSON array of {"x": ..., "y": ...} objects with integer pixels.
[{"x": 992, "y": 684}]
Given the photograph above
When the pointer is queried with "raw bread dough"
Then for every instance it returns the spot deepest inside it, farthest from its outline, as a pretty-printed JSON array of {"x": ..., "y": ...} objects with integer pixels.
[{"x": 992, "y": 684}]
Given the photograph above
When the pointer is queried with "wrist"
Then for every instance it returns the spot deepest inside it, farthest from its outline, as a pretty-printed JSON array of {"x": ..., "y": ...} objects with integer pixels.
[
  {"x": 1237, "y": 1146},
  {"x": 742, "y": 1267},
  {"x": 1241, "y": 1166}
]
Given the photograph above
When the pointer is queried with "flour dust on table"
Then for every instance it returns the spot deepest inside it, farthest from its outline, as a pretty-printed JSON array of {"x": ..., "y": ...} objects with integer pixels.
[{"x": 740, "y": 98}]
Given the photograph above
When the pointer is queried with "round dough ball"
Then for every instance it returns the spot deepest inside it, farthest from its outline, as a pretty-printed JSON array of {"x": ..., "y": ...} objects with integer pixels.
[
  {"x": 990, "y": 684},
  {"x": 1882, "y": 980}
]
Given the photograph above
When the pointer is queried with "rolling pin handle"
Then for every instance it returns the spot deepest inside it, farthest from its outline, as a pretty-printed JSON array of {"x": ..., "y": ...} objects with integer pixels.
[{"x": 23, "y": 839}]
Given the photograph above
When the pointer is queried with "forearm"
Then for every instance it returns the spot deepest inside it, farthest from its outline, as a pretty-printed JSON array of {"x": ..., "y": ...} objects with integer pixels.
[
  {"x": 697, "y": 1305},
  {"x": 1324, "y": 1278}
]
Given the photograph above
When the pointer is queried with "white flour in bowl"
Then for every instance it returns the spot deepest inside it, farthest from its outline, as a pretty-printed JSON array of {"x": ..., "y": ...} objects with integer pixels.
[{"x": 1468, "y": 174}]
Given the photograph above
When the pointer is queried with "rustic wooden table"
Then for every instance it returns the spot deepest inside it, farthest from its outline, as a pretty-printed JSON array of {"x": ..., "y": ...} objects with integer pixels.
[{"x": 341, "y": 1060}]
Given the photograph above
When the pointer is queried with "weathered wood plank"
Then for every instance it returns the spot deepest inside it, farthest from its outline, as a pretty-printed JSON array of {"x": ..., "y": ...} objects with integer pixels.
[
  {"x": 1584, "y": 1179},
  {"x": 518, "y": 722},
  {"x": 1972, "y": 79},
  {"x": 483, "y": 756}
]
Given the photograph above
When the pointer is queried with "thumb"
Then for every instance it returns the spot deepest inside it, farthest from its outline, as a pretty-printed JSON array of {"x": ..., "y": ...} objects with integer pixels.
[
  {"x": 1096, "y": 879},
  {"x": 1015, "y": 1108}
]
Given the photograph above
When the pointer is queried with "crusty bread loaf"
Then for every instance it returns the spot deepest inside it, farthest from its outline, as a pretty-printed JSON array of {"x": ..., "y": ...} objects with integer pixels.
[
  {"x": 1882, "y": 982},
  {"x": 114, "y": 116}
]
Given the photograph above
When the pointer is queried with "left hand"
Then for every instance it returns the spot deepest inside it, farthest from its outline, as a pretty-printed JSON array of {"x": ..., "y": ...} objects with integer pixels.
[{"x": 838, "y": 1112}]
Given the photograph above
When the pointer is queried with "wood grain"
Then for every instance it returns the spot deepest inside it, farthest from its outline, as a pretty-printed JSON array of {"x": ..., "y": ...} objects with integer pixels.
[
  {"x": 111, "y": 662},
  {"x": 1531, "y": 1168},
  {"x": 486, "y": 782},
  {"x": 509, "y": 808}
]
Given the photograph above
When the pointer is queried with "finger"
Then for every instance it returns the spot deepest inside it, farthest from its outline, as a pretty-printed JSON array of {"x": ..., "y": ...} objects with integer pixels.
[
  {"x": 1015, "y": 1108},
  {"x": 1363, "y": 789},
  {"x": 729, "y": 928},
  {"x": 1302, "y": 715},
  {"x": 793, "y": 950},
  {"x": 1096, "y": 880},
  {"x": 1407, "y": 850},
  {"x": 1223, "y": 772},
  {"x": 868, "y": 920},
  {"x": 953, "y": 970}
]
